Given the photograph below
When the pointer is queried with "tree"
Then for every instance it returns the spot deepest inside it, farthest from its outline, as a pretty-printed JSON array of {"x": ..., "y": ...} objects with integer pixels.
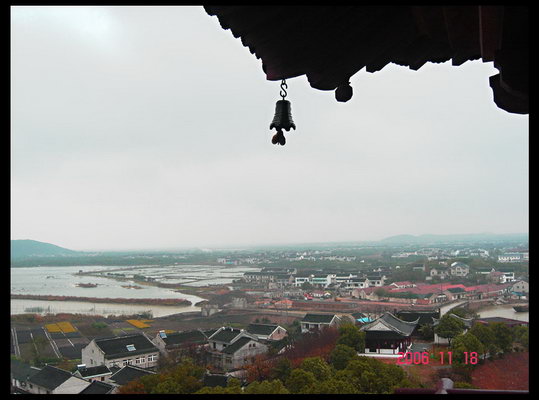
[
  {"x": 299, "y": 379},
  {"x": 330, "y": 386},
  {"x": 503, "y": 335},
  {"x": 233, "y": 387},
  {"x": 341, "y": 355},
  {"x": 486, "y": 336},
  {"x": 351, "y": 336},
  {"x": 449, "y": 327},
  {"x": 266, "y": 387},
  {"x": 521, "y": 335},
  {"x": 463, "y": 347},
  {"x": 426, "y": 331},
  {"x": 372, "y": 376},
  {"x": 282, "y": 369},
  {"x": 318, "y": 367}
]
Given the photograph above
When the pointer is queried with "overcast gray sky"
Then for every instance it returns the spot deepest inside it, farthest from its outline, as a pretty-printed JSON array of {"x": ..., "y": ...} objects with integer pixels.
[{"x": 148, "y": 127}]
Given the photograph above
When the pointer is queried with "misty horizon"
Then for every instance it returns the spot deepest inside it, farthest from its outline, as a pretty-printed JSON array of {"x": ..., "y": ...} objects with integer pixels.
[{"x": 239, "y": 246}]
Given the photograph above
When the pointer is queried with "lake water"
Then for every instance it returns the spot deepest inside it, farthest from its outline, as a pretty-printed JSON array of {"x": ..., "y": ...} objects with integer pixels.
[
  {"x": 504, "y": 311},
  {"x": 63, "y": 281}
]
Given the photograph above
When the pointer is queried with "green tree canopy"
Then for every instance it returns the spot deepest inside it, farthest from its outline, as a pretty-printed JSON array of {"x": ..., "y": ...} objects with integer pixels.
[
  {"x": 341, "y": 355},
  {"x": 449, "y": 327},
  {"x": 318, "y": 367},
  {"x": 503, "y": 335},
  {"x": 486, "y": 336},
  {"x": 520, "y": 335},
  {"x": 266, "y": 387},
  {"x": 351, "y": 336},
  {"x": 299, "y": 379},
  {"x": 466, "y": 343},
  {"x": 368, "y": 375},
  {"x": 282, "y": 369}
]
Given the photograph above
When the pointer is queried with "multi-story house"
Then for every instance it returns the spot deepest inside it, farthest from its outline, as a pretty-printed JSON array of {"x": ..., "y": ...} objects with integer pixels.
[
  {"x": 323, "y": 280},
  {"x": 520, "y": 287},
  {"x": 168, "y": 342},
  {"x": 459, "y": 269},
  {"x": 376, "y": 280},
  {"x": 120, "y": 351},
  {"x": 232, "y": 348},
  {"x": 52, "y": 380},
  {"x": 439, "y": 272},
  {"x": 313, "y": 322},
  {"x": 356, "y": 283},
  {"x": 300, "y": 279},
  {"x": 267, "y": 331}
]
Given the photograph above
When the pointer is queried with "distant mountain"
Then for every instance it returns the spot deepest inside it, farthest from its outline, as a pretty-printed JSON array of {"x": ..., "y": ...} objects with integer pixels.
[
  {"x": 476, "y": 237},
  {"x": 31, "y": 248}
]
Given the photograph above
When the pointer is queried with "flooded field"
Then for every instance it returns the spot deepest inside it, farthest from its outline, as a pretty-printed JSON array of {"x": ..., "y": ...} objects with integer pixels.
[
  {"x": 64, "y": 281},
  {"x": 22, "y": 306}
]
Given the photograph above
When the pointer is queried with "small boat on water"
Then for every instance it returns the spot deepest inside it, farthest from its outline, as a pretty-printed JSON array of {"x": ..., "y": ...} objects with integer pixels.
[{"x": 521, "y": 308}]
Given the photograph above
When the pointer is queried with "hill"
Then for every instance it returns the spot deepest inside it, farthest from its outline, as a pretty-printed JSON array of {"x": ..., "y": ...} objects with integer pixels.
[
  {"x": 33, "y": 248},
  {"x": 472, "y": 237}
]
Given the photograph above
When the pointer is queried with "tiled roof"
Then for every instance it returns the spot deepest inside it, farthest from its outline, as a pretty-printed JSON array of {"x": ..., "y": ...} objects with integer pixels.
[
  {"x": 318, "y": 318},
  {"x": 117, "y": 346},
  {"x": 50, "y": 377},
  {"x": 395, "y": 324},
  {"x": 261, "y": 329},
  {"x": 128, "y": 374},
  {"x": 212, "y": 380},
  {"x": 21, "y": 370},
  {"x": 179, "y": 338},
  {"x": 238, "y": 344},
  {"x": 97, "y": 387},
  {"x": 93, "y": 371},
  {"x": 225, "y": 335}
]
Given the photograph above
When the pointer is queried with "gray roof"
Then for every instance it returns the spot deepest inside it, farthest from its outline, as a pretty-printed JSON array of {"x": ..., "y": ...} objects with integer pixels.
[
  {"x": 128, "y": 374},
  {"x": 97, "y": 387},
  {"x": 212, "y": 380},
  {"x": 225, "y": 335},
  {"x": 21, "y": 370},
  {"x": 318, "y": 318},
  {"x": 117, "y": 346},
  {"x": 395, "y": 324},
  {"x": 181, "y": 338},
  {"x": 94, "y": 371},
  {"x": 261, "y": 329},
  {"x": 50, "y": 377},
  {"x": 238, "y": 344},
  {"x": 467, "y": 321}
]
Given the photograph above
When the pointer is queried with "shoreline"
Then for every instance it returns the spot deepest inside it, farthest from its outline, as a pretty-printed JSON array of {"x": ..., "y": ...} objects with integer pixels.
[{"x": 141, "y": 301}]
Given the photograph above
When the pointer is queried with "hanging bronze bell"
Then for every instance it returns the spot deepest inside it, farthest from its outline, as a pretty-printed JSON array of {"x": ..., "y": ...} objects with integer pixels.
[{"x": 283, "y": 116}]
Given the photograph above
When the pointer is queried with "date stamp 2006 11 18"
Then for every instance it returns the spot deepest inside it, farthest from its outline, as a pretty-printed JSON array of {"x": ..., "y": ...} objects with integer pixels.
[{"x": 424, "y": 358}]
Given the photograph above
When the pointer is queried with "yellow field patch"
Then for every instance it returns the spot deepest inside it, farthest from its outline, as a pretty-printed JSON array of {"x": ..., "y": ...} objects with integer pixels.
[
  {"x": 66, "y": 327},
  {"x": 52, "y": 328},
  {"x": 137, "y": 323}
]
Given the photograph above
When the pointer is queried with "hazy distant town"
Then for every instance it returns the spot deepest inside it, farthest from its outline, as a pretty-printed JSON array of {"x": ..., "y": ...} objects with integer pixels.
[{"x": 270, "y": 320}]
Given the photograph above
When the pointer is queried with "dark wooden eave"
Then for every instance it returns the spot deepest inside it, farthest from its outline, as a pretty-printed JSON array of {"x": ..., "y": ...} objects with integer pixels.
[{"x": 329, "y": 44}]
